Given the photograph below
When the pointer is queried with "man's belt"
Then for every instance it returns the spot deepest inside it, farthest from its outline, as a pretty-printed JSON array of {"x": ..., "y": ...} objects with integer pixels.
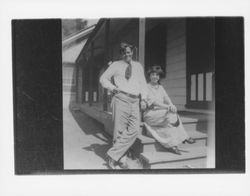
[{"x": 129, "y": 95}]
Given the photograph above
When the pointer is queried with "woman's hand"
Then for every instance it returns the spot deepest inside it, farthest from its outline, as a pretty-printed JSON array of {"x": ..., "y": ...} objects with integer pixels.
[
  {"x": 173, "y": 108},
  {"x": 161, "y": 105},
  {"x": 116, "y": 90},
  {"x": 143, "y": 104},
  {"x": 167, "y": 108}
]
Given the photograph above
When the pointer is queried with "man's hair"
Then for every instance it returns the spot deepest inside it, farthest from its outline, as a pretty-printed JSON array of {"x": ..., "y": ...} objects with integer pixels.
[{"x": 124, "y": 45}]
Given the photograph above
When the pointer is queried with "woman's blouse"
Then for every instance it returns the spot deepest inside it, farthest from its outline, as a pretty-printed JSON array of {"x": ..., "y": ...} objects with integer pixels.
[{"x": 157, "y": 94}]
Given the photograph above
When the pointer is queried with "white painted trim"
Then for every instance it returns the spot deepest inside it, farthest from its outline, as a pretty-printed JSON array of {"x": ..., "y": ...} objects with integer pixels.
[{"x": 142, "y": 32}]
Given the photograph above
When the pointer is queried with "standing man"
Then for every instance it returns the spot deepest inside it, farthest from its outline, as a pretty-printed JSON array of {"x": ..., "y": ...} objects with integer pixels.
[{"x": 129, "y": 84}]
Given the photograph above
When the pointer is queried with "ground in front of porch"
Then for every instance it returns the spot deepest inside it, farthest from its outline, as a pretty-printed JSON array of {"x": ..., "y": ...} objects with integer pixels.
[{"x": 85, "y": 142}]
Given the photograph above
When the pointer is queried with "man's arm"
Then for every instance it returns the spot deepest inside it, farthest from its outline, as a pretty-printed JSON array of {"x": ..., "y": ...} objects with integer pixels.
[{"x": 105, "y": 79}]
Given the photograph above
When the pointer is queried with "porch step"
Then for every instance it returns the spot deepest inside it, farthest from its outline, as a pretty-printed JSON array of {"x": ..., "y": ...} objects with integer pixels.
[
  {"x": 192, "y": 157},
  {"x": 200, "y": 138},
  {"x": 196, "y": 121},
  {"x": 196, "y": 124},
  {"x": 149, "y": 144},
  {"x": 201, "y": 126},
  {"x": 146, "y": 147}
]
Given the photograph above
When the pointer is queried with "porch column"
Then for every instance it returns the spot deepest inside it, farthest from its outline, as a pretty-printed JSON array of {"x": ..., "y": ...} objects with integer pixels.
[
  {"x": 83, "y": 82},
  {"x": 106, "y": 60},
  {"x": 142, "y": 32}
]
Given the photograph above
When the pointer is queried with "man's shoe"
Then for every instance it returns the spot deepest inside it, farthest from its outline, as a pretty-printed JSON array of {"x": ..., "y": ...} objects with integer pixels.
[
  {"x": 123, "y": 165},
  {"x": 112, "y": 163},
  {"x": 123, "y": 162}
]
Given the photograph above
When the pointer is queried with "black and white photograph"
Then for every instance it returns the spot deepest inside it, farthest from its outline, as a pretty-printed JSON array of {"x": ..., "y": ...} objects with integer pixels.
[
  {"x": 128, "y": 95},
  {"x": 138, "y": 93},
  {"x": 124, "y": 98}
]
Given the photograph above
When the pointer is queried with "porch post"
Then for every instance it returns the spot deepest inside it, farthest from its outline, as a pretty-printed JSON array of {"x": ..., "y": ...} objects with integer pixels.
[
  {"x": 83, "y": 82},
  {"x": 142, "y": 32},
  {"x": 106, "y": 60}
]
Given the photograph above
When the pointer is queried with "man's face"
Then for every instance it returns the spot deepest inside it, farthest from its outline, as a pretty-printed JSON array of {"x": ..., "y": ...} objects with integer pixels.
[{"x": 127, "y": 54}]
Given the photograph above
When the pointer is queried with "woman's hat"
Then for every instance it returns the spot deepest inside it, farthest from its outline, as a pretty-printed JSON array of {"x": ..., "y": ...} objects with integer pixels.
[{"x": 155, "y": 69}]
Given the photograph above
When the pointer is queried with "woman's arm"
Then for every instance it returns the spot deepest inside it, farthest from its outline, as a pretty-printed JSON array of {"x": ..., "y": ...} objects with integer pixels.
[
  {"x": 160, "y": 105},
  {"x": 151, "y": 101},
  {"x": 168, "y": 101}
]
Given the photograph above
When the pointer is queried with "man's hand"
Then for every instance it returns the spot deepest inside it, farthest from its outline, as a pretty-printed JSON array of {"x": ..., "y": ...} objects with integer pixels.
[
  {"x": 143, "y": 105},
  {"x": 116, "y": 90},
  {"x": 173, "y": 108}
]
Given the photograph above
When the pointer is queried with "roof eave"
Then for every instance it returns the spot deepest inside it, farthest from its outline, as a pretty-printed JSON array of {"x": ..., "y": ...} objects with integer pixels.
[{"x": 91, "y": 36}]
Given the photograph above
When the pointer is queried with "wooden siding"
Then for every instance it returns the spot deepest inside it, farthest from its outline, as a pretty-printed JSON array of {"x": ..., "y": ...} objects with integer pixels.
[
  {"x": 69, "y": 84},
  {"x": 175, "y": 81},
  {"x": 177, "y": 91}
]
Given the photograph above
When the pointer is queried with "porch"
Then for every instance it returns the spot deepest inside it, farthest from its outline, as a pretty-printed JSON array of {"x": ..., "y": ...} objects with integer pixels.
[
  {"x": 187, "y": 60},
  {"x": 198, "y": 125}
]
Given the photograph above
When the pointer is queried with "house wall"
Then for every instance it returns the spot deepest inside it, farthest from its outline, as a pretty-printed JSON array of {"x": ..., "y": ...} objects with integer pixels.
[
  {"x": 70, "y": 75},
  {"x": 175, "y": 81},
  {"x": 69, "y": 84}
]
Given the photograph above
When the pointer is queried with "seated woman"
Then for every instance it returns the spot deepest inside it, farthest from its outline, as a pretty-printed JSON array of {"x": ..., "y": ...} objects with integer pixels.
[{"x": 160, "y": 118}]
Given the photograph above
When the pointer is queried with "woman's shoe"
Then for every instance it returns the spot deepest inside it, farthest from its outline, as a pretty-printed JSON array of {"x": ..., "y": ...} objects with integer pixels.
[
  {"x": 189, "y": 140},
  {"x": 176, "y": 124},
  {"x": 176, "y": 150}
]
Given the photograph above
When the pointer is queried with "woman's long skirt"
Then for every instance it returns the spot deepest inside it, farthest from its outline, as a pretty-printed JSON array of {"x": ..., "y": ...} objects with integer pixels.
[{"x": 160, "y": 124}]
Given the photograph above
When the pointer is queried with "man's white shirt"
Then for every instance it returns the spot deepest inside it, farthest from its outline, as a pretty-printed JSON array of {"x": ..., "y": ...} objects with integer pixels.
[{"x": 135, "y": 85}]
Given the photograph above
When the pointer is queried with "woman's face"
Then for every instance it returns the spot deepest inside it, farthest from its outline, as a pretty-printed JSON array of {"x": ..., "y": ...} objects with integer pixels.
[{"x": 154, "y": 78}]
